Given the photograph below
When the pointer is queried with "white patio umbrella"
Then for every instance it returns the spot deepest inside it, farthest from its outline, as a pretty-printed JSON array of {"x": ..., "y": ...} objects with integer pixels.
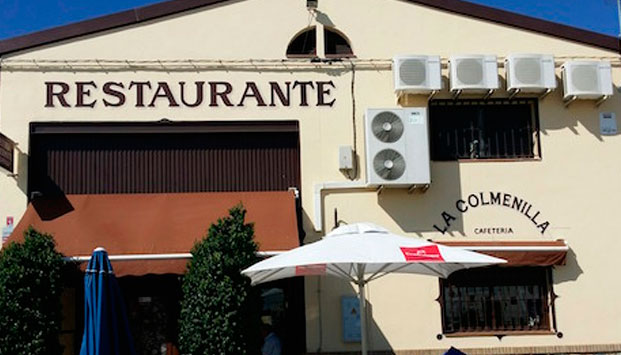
[{"x": 363, "y": 252}]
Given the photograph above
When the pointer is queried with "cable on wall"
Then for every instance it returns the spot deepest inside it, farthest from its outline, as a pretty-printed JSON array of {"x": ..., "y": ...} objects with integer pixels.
[{"x": 352, "y": 175}]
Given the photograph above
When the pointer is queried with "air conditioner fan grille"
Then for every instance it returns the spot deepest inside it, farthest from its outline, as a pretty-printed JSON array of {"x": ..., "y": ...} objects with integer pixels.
[
  {"x": 528, "y": 71},
  {"x": 387, "y": 127},
  {"x": 389, "y": 164},
  {"x": 413, "y": 72},
  {"x": 584, "y": 78},
  {"x": 470, "y": 71}
]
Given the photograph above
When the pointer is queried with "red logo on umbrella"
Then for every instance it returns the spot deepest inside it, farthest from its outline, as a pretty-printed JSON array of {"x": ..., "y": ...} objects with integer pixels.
[
  {"x": 429, "y": 253},
  {"x": 317, "y": 269}
]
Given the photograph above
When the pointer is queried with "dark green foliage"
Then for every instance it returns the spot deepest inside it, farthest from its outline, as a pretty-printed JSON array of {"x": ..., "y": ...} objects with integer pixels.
[
  {"x": 30, "y": 291},
  {"x": 220, "y": 311}
]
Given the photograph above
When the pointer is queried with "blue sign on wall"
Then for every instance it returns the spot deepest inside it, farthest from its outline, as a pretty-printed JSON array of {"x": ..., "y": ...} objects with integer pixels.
[{"x": 350, "y": 310}]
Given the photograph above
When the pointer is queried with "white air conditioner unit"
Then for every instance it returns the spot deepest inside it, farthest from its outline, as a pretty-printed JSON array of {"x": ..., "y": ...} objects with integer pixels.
[
  {"x": 397, "y": 147},
  {"x": 530, "y": 73},
  {"x": 473, "y": 73},
  {"x": 417, "y": 74},
  {"x": 590, "y": 80}
]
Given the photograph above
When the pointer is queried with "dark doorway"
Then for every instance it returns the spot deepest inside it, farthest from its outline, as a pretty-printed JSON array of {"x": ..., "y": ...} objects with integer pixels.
[
  {"x": 153, "y": 308},
  {"x": 283, "y": 309}
]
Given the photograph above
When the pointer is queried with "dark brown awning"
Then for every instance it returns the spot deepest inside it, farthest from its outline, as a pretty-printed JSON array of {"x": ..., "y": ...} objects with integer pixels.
[
  {"x": 151, "y": 225},
  {"x": 519, "y": 253}
]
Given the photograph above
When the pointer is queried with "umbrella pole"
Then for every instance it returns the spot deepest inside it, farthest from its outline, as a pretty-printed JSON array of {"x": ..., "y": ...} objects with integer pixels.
[
  {"x": 363, "y": 317},
  {"x": 363, "y": 309}
]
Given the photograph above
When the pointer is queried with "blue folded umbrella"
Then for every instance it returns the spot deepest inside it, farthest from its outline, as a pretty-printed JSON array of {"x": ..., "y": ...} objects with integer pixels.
[
  {"x": 454, "y": 351},
  {"x": 106, "y": 329}
]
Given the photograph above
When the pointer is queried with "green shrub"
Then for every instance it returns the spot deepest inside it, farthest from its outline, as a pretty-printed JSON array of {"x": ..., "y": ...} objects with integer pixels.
[
  {"x": 30, "y": 292},
  {"x": 220, "y": 311}
]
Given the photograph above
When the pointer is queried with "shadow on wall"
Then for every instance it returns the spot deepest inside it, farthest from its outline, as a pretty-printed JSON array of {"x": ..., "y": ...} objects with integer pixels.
[
  {"x": 377, "y": 339},
  {"x": 324, "y": 19},
  {"x": 326, "y": 321},
  {"x": 310, "y": 235},
  {"x": 570, "y": 271},
  {"x": 554, "y": 116},
  {"x": 418, "y": 212},
  {"x": 22, "y": 171}
]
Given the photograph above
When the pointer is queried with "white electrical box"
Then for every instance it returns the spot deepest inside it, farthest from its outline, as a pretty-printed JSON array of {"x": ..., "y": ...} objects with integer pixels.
[
  {"x": 608, "y": 123},
  {"x": 397, "y": 147},
  {"x": 346, "y": 157}
]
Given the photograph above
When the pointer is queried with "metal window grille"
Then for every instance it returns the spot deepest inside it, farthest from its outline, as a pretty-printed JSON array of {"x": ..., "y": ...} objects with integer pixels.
[
  {"x": 497, "y": 300},
  {"x": 490, "y": 129}
]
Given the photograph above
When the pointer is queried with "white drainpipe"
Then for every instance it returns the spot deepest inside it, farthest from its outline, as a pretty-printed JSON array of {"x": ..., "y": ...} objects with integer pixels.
[{"x": 337, "y": 185}]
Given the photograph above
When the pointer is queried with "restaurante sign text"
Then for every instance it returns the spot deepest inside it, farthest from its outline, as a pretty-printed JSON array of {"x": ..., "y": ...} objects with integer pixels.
[{"x": 187, "y": 94}]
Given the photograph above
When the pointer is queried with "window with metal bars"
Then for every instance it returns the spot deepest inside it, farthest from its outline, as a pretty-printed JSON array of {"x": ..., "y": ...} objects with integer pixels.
[
  {"x": 496, "y": 301},
  {"x": 484, "y": 129}
]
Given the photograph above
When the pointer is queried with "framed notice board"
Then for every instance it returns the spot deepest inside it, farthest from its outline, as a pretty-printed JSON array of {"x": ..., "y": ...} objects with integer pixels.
[{"x": 350, "y": 311}]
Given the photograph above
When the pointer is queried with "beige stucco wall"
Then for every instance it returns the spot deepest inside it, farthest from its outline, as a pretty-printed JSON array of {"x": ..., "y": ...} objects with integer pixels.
[{"x": 575, "y": 184}]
